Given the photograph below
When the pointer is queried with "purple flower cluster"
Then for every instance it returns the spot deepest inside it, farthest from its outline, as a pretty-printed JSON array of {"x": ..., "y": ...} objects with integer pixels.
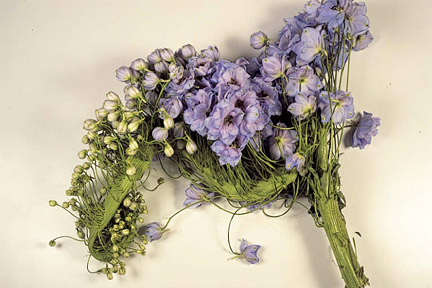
[{"x": 366, "y": 128}]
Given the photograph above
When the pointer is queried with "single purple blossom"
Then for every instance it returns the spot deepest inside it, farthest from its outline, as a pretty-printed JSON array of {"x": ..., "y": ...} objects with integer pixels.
[
  {"x": 212, "y": 52},
  {"x": 234, "y": 78},
  {"x": 173, "y": 106},
  {"x": 362, "y": 41},
  {"x": 341, "y": 106},
  {"x": 229, "y": 154},
  {"x": 282, "y": 143},
  {"x": 153, "y": 231},
  {"x": 161, "y": 67},
  {"x": 154, "y": 57},
  {"x": 295, "y": 160},
  {"x": 302, "y": 79},
  {"x": 310, "y": 46},
  {"x": 366, "y": 128},
  {"x": 139, "y": 64},
  {"x": 274, "y": 67},
  {"x": 187, "y": 51},
  {"x": 267, "y": 96},
  {"x": 249, "y": 252},
  {"x": 303, "y": 106},
  {"x": 196, "y": 194}
]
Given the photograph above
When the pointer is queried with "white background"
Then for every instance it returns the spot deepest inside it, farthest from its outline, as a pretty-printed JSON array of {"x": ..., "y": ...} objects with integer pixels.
[{"x": 57, "y": 62}]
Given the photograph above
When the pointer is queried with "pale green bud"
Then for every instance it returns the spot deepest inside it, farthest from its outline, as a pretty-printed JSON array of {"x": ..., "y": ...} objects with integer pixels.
[
  {"x": 109, "y": 276},
  {"x": 78, "y": 169},
  {"x": 125, "y": 231},
  {"x": 112, "y": 96},
  {"x": 133, "y": 126},
  {"x": 101, "y": 113},
  {"x": 115, "y": 124},
  {"x": 65, "y": 205},
  {"x": 52, "y": 203},
  {"x": 82, "y": 154},
  {"x": 191, "y": 147},
  {"x": 122, "y": 127},
  {"x": 108, "y": 139},
  {"x": 169, "y": 151},
  {"x": 52, "y": 243},
  {"x": 129, "y": 115},
  {"x": 122, "y": 271},
  {"x": 133, "y": 144},
  {"x": 127, "y": 202},
  {"x": 86, "y": 165},
  {"x": 133, "y": 206},
  {"x": 168, "y": 122},
  {"x": 131, "y": 152},
  {"x": 80, "y": 234},
  {"x": 131, "y": 170},
  {"x": 85, "y": 139},
  {"x": 113, "y": 116},
  {"x": 92, "y": 135},
  {"x": 133, "y": 92},
  {"x": 90, "y": 125},
  {"x": 113, "y": 146}
]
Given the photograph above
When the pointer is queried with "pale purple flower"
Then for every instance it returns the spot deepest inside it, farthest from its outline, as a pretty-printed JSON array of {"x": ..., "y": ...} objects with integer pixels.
[
  {"x": 229, "y": 154},
  {"x": 258, "y": 40},
  {"x": 195, "y": 194},
  {"x": 224, "y": 122},
  {"x": 267, "y": 96},
  {"x": 295, "y": 160},
  {"x": 341, "y": 106},
  {"x": 167, "y": 54},
  {"x": 357, "y": 20},
  {"x": 153, "y": 231},
  {"x": 303, "y": 106},
  {"x": 274, "y": 67},
  {"x": 198, "y": 109},
  {"x": 150, "y": 80},
  {"x": 234, "y": 77},
  {"x": 161, "y": 67},
  {"x": 302, "y": 79},
  {"x": 249, "y": 252},
  {"x": 160, "y": 133},
  {"x": 366, "y": 128},
  {"x": 362, "y": 41},
  {"x": 282, "y": 143},
  {"x": 310, "y": 46}
]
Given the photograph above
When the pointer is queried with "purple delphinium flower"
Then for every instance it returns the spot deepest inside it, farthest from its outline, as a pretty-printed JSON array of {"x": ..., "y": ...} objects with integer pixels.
[
  {"x": 267, "y": 96},
  {"x": 195, "y": 194},
  {"x": 274, "y": 67},
  {"x": 229, "y": 154},
  {"x": 258, "y": 40},
  {"x": 198, "y": 109},
  {"x": 302, "y": 79},
  {"x": 362, "y": 41},
  {"x": 224, "y": 122},
  {"x": 357, "y": 20},
  {"x": 282, "y": 143},
  {"x": 366, "y": 128},
  {"x": 249, "y": 252},
  {"x": 233, "y": 78},
  {"x": 310, "y": 46},
  {"x": 295, "y": 160},
  {"x": 153, "y": 231},
  {"x": 212, "y": 52},
  {"x": 160, "y": 133},
  {"x": 303, "y": 106},
  {"x": 173, "y": 106},
  {"x": 341, "y": 105}
]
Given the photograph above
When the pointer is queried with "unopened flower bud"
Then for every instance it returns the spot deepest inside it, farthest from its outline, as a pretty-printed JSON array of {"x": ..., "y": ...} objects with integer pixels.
[
  {"x": 108, "y": 139},
  {"x": 65, "y": 205},
  {"x": 90, "y": 125},
  {"x": 161, "y": 67},
  {"x": 85, "y": 139},
  {"x": 82, "y": 154},
  {"x": 124, "y": 74},
  {"x": 122, "y": 127},
  {"x": 109, "y": 276},
  {"x": 52, "y": 243},
  {"x": 122, "y": 271},
  {"x": 127, "y": 202},
  {"x": 160, "y": 133},
  {"x": 191, "y": 147},
  {"x": 113, "y": 116},
  {"x": 80, "y": 234},
  {"x": 125, "y": 231},
  {"x": 133, "y": 144},
  {"x": 150, "y": 80},
  {"x": 258, "y": 40},
  {"x": 187, "y": 51},
  {"x": 133, "y": 126},
  {"x": 139, "y": 64},
  {"x": 169, "y": 151},
  {"x": 161, "y": 181},
  {"x": 154, "y": 57},
  {"x": 110, "y": 105},
  {"x": 52, "y": 203},
  {"x": 167, "y": 54},
  {"x": 92, "y": 135},
  {"x": 168, "y": 122},
  {"x": 113, "y": 146},
  {"x": 131, "y": 170},
  {"x": 131, "y": 152},
  {"x": 101, "y": 113},
  {"x": 133, "y": 206}
]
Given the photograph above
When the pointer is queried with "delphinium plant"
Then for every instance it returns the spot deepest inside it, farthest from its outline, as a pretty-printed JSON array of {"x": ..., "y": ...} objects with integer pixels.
[{"x": 248, "y": 131}]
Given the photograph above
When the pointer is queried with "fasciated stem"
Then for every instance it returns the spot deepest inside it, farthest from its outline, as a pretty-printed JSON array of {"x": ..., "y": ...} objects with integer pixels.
[{"x": 337, "y": 234}]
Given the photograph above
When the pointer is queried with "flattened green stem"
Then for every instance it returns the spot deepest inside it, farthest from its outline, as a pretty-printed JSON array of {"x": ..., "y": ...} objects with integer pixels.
[
  {"x": 119, "y": 189},
  {"x": 335, "y": 228}
]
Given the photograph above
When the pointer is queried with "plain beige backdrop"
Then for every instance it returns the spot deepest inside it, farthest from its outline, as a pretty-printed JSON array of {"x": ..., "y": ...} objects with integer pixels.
[{"x": 57, "y": 61}]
